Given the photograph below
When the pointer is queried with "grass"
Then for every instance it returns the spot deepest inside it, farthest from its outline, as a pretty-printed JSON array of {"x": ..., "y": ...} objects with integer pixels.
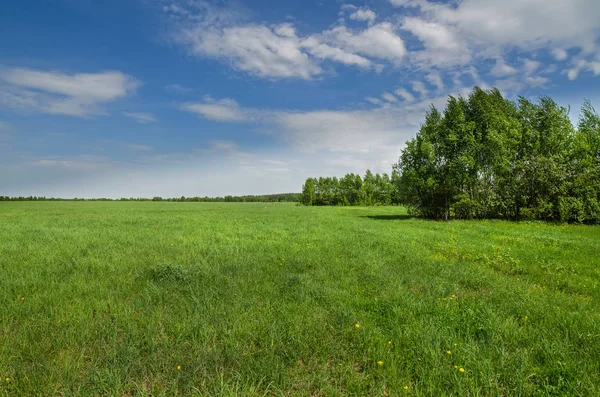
[{"x": 157, "y": 299}]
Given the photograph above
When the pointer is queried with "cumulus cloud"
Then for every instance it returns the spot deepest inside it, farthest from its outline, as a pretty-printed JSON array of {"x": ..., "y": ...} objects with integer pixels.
[
  {"x": 277, "y": 51},
  {"x": 79, "y": 94},
  {"x": 501, "y": 69},
  {"x": 363, "y": 15},
  {"x": 265, "y": 51},
  {"x": 377, "y": 41}
]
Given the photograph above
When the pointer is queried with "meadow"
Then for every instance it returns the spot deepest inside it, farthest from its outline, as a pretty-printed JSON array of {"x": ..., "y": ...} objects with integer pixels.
[{"x": 164, "y": 299}]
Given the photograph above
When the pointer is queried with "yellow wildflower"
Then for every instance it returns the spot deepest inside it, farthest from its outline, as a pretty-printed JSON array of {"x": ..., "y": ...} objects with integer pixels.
[
  {"x": 462, "y": 369},
  {"x": 449, "y": 352},
  {"x": 8, "y": 379},
  {"x": 179, "y": 368},
  {"x": 357, "y": 325},
  {"x": 405, "y": 387},
  {"x": 379, "y": 362},
  {"x": 456, "y": 366},
  {"x": 390, "y": 342}
]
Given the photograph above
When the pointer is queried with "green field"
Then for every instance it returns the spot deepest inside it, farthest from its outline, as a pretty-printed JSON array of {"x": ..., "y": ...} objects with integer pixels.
[{"x": 140, "y": 299}]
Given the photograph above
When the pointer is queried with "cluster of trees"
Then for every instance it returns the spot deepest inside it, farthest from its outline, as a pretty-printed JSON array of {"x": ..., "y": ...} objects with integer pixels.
[
  {"x": 350, "y": 190},
  {"x": 488, "y": 157},
  {"x": 266, "y": 198}
]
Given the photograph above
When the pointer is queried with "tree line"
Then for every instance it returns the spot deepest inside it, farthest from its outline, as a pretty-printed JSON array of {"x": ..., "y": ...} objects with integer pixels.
[
  {"x": 265, "y": 198},
  {"x": 350, "y": 190},
  {"x": 487, "y": 157}
]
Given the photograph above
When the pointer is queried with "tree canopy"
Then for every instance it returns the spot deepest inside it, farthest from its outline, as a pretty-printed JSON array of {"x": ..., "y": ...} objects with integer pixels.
[{"x": 488, "y": 157}]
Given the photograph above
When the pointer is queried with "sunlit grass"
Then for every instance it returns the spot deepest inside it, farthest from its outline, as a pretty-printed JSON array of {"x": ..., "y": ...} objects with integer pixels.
[{"x": 274, "y": 299}]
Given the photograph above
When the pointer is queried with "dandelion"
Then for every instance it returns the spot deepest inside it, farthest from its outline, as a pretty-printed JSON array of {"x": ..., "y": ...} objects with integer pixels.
[
  {"x": 341, "y": 364},
  {"x": 449, "y": 352},
  {"x": 179, "y": 368},
  {"x": 405, "y": 387},
  {"x": 461, "y": 369},
  {"x": 390, "y": 342},
  {"x": 379, "y": 362},
  {"x": 456, "y": 366},
  {"x": 455, "y": 344},
  {"x": 22, "y": 299},
  {"x": 7, "y": 379},
  {"x": 357, "y": 325}
]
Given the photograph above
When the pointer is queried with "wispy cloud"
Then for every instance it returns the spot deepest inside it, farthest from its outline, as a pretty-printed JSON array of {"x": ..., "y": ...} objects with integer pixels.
[
  {"x": 142, "y": 118},
  {"x": 218, "y": 110},
  {"x": 177, "y": 89},
  {"x": 79, "y": 94}
]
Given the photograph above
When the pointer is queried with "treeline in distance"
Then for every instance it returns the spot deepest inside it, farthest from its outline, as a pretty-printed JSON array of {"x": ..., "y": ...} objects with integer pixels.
[{"x": 266, "y": 198}]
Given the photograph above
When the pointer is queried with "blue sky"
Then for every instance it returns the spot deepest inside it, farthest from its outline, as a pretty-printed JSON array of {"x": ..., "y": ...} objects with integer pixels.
[{"x": 197, "y": 97}]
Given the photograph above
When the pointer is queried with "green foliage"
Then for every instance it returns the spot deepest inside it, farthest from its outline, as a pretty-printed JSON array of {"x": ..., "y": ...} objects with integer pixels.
[
  {"x": 487, "y": 157},
  {"x": 350, "y": 190},
  {"x": 110, "y": 298}
]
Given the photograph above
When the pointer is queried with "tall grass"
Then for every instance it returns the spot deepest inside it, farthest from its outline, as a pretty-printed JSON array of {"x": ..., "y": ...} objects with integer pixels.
[{"x": 272, "y": 299}]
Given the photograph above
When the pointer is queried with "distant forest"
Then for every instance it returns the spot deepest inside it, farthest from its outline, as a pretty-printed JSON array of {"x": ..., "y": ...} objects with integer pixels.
[
  {"x": 266, "y": 198},
  {"x": 486, "y": 157}
]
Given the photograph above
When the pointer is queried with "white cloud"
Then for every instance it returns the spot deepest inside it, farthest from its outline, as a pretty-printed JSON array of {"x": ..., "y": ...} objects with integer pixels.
[
  {"x": 363, "y": 15},
  {"x": 272, "y": 52},
  {"x": 403, "y": 93},
  {"x": 435, "y": 79},
  {"x": 374, "y": 101},
  {"x": 324, "y": 51},
  {"x": 560, "y": 54},
  {"x": 501, "y": 69},
  {"x": 530, "y": 66},
  {"x": 584, "y": 65},
  {"x": 377, "y": 41},
  {"x": 456, "y": 33},
  {"x": 524, "y": 24},
  {"x": 537, "y": 81},
  {"x": 142, "y": 118},
  {"x": 419, "y": 87},
  {"x": 337, "y": 131},
  {"x": 403, "y": 3},
  {"x": 442, "y": 44},
  {"x": 278, "y": 51},
  {"x": 389, "y": 97},
  {"x": 226, "y": 110},
  {"x": 78, "y": 94}
]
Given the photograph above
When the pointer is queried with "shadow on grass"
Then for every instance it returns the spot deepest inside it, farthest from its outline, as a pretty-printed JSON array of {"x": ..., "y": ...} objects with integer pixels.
[{"x": 389, "y": 217}]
